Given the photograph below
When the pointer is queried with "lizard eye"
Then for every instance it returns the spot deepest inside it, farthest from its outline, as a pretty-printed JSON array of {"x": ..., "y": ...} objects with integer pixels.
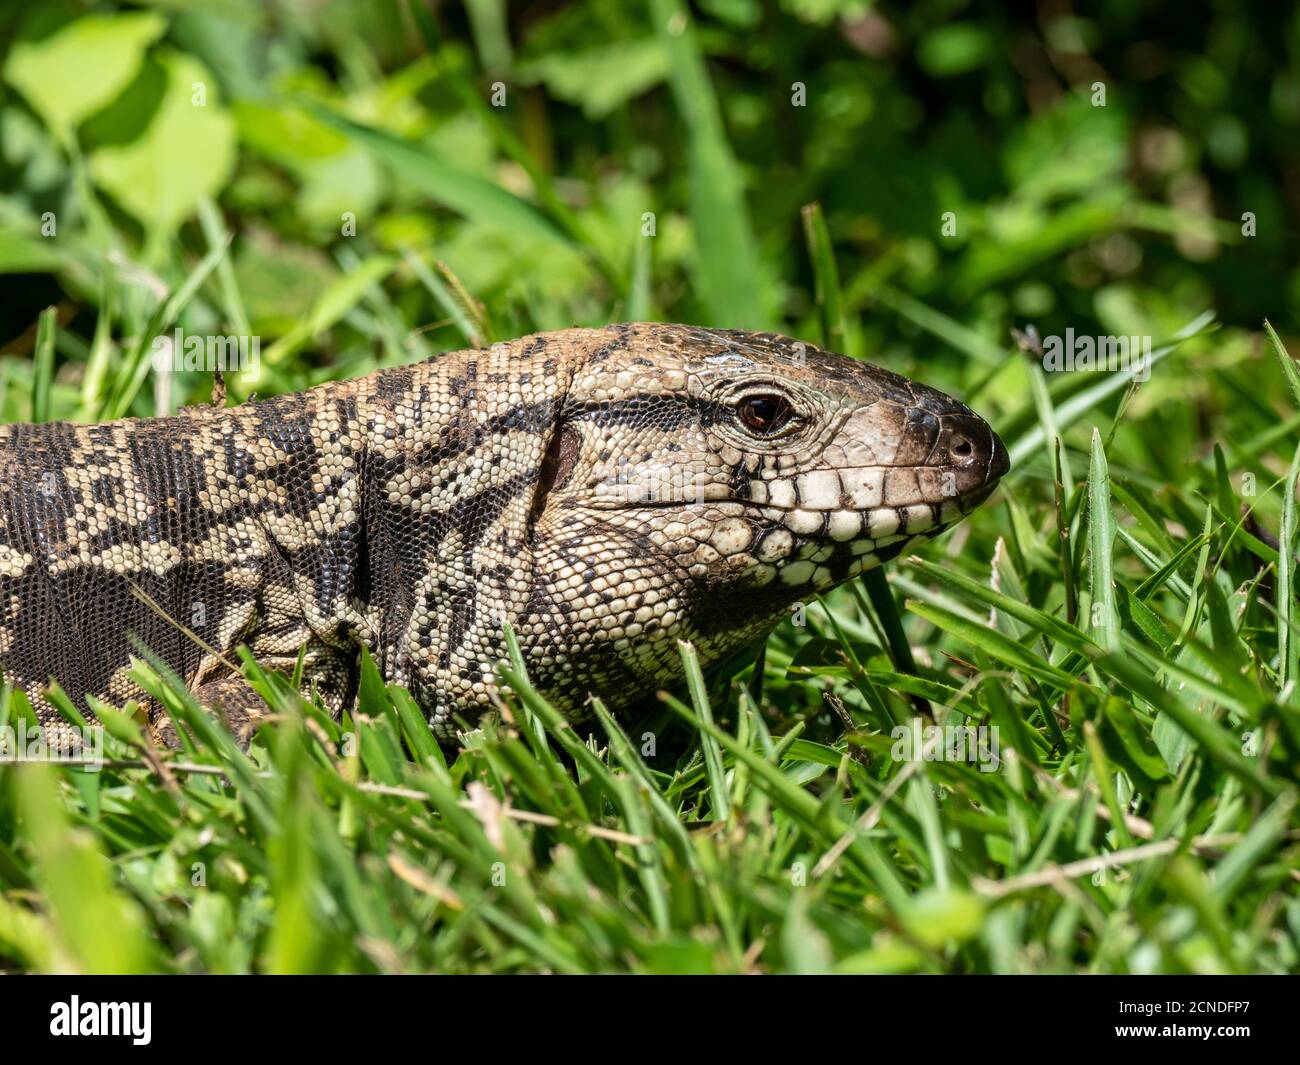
[{"x": 764, "y": 415}]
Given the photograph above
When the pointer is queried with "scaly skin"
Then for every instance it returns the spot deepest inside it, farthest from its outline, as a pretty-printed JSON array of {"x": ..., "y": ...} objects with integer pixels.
[{"x": 608, "y": 492}]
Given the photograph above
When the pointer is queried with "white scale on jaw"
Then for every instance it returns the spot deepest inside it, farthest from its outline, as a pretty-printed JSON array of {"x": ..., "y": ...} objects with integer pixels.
[
  {"x": 861, "y": 489},
  {"x": 848, "y": 505}
]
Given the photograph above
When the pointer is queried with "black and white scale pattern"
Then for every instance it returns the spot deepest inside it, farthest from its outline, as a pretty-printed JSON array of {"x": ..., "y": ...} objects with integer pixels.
[{"x": 608, "y": 492}]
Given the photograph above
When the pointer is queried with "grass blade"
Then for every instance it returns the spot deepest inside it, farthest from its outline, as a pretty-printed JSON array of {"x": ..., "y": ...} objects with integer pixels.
[
  {"x": 43, "y": 364},
  {"x": 726, "y": 262},
  {"x": 1101, "y": 541},
  {"x": 712, "y": 755}
]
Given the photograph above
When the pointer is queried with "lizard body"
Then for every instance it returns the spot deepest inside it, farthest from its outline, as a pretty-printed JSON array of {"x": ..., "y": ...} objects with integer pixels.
[{"x": 607, "y": 492}]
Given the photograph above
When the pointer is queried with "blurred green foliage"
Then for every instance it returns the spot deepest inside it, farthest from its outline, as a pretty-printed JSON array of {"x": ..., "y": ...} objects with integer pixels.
[{"x": 119, "y": 123}]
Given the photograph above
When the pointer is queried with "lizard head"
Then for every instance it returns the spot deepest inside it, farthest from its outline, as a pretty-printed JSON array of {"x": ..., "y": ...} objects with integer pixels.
[{"x": 701, "y": 481}]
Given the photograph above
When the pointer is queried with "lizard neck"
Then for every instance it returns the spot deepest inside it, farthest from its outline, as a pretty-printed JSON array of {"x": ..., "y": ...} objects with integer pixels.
[{"x": 453, "y": 452}]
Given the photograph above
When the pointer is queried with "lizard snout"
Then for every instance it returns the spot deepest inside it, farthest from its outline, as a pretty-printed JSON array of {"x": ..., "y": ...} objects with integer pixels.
[
  {"x": 968, "y": 445},
  {"x": 932, "y": 452}
]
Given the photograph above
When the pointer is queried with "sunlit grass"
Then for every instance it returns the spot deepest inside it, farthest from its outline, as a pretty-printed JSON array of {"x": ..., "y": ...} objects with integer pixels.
[{"x": 1139, "y": 815}]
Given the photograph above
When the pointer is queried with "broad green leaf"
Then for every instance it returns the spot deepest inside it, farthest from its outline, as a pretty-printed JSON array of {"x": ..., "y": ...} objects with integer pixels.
[
  {"x": 184, "y": 155},
  {"x": 82, "y": 66}
]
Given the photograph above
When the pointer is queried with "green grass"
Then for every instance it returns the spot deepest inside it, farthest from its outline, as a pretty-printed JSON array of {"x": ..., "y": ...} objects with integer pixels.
[
  {"x": 1123, "y": 611},
  {"x": 1141, "y": 817}
]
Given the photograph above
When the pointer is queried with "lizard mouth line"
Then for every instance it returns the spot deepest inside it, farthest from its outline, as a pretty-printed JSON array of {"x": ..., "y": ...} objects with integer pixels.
[{"x": 965, "y": 501}]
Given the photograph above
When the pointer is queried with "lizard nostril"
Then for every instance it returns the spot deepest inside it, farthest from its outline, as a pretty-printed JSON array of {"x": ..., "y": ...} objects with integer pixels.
[{"x": 961, "y": 449}]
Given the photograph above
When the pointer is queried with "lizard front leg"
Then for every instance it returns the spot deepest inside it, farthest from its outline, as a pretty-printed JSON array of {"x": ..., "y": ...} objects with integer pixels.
[{"x": 231, "y": 700}]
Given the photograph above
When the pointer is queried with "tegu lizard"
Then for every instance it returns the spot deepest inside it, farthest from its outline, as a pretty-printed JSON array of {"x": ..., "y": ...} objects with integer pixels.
[{"x": 608, "y": 492}]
